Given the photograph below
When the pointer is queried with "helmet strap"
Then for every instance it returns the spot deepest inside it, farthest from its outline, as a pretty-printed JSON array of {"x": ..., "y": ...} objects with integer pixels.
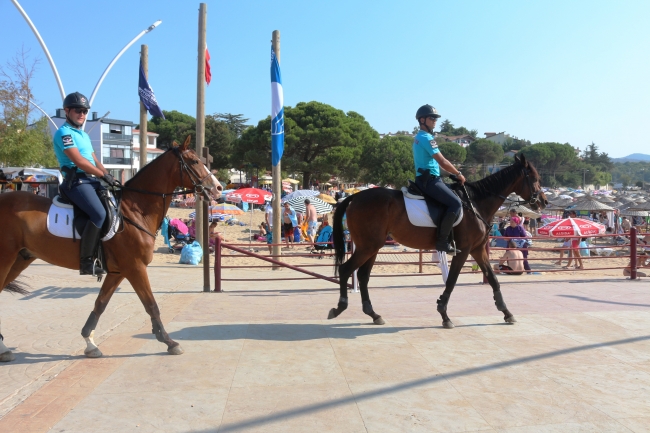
[
  {"x": 72, "y": 122},
  {"x": 423, "y": 125}
]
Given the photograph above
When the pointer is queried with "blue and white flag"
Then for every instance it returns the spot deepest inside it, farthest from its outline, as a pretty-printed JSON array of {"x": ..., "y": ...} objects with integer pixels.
[
  {"x": 277, "y": 112},
  {"x": 147, "y": 97}
]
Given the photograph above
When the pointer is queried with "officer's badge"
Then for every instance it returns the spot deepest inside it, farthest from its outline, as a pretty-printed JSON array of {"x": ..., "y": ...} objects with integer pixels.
[{"x": 67, "y": 140}]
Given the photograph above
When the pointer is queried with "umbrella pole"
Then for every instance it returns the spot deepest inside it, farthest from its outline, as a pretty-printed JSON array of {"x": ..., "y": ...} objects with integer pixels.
[{"x": 251, "y": 229}]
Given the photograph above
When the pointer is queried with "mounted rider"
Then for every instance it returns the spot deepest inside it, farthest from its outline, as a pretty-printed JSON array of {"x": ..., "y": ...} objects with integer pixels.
[
  {"x": 428, "y": 161},
  {"x": 82, "y": 171}
]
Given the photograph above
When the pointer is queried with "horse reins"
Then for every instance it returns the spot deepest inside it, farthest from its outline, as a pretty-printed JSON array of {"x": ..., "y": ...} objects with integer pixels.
[{"x": 197, "y": 183}]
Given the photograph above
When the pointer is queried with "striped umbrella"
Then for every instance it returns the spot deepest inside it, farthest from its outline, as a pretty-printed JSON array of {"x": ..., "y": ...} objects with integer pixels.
[
  {"x": 568, "y": 227},
  {"x": 298, "y": 203}
]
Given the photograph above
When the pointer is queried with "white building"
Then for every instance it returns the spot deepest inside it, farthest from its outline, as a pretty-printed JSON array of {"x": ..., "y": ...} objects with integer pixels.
[{"x": 497, "y": 137}]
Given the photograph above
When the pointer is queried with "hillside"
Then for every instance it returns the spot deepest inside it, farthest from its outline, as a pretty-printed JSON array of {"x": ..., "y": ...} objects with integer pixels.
[{"x": 634, "y": 157}]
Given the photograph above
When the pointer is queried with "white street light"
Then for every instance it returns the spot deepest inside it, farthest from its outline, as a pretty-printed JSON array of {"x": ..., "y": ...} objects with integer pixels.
[
  {"x": 110, "y": 65},
  {"x": 42, "y": 42}
]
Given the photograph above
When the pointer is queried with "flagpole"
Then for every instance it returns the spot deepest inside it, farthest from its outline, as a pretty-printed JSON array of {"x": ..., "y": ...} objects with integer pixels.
[
  {"x": 200, "y": 110},
  {"x": 144, "y": 60},
  {"x": 277, "y": 179}
]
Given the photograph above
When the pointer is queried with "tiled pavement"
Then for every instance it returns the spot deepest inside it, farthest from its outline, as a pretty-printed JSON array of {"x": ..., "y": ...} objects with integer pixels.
[{"x": 262, "y": 357}]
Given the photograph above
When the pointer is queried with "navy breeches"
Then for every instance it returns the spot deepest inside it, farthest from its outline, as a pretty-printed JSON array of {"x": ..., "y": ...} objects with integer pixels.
[
  {"x": 83, "y": 193},
  {"x": 435, "y": 188}
]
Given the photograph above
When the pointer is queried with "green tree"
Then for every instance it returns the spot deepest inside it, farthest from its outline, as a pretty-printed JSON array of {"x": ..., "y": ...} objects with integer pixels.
[
  {"x": 454, "y": 152},
  {"x": 447, "y": 128},
  {"x": 389, "y": 162},
  {"x": 22, "y": 144},
  {"x": 484, "y": 152},
  {"x": 236, "y": 123},
  {"x": 319, "y": 141}
]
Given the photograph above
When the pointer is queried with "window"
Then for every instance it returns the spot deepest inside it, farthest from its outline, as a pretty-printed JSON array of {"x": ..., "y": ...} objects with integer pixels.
[
  {"x": 127, "y": 130},
  {"x": 151, "y": 140},
  {"x": 115, "y": 129},
  {"x": 106, "y": 128}
]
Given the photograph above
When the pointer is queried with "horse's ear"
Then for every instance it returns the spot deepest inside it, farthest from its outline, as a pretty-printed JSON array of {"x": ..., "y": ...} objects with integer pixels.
[
  {"x": 516, "y": 158},
  {"x": 186, "y": 143},
  {"x": 175, "y": 143},
  {"x": 523, "y": 161}
]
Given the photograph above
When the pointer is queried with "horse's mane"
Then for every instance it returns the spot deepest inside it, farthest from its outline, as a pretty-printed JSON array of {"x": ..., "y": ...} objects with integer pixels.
[
  {"x": 495, "y": 183},
  {"x": 144, "y": 169}
]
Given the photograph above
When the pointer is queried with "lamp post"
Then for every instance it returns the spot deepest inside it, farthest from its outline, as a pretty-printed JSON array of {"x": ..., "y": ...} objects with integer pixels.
[
  {"x": 41, "y": 110},
  {"x": 584, "y": 186}
]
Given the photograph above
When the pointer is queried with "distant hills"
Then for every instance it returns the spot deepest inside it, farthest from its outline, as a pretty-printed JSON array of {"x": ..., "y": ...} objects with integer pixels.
[{"x": 635, "y": 157}]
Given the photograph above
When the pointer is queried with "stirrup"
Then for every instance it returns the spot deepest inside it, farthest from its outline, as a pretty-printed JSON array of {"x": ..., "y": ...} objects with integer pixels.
[{"x": 448, "y": 247}]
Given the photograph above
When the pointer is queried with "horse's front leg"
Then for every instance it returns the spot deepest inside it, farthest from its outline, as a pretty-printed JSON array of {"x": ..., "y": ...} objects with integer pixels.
[
  {"x": 5, "y": 353},
  {"x": 454, "y": 270},
  {"x": 140, "y": 282},
  {"x": 111, "y": 283},
  {"x": 483, "y": 260}
]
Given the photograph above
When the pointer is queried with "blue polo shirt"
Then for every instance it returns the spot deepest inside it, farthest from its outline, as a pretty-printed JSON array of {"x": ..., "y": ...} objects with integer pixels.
[
  {"x": 69, "y": 137},
  {"x": 424, "y": 147}
]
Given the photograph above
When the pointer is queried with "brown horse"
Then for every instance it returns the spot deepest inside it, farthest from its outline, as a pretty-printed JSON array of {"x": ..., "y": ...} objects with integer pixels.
[
  {"x": 374, "y": 213},
  {"x": 145, "y": 200}
]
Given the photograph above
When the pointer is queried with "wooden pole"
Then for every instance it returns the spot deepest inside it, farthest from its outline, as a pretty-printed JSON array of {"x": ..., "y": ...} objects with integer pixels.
[
  {"x": 200, "y": 110},
  {"x": 144, "y": 58},
  {"x": 277, "y": 179}
]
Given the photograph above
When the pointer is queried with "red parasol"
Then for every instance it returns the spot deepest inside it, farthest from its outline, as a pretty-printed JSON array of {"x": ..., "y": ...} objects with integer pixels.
[
  {"x": 250, "y": 195},
  {"x": 571, "y": 227}
]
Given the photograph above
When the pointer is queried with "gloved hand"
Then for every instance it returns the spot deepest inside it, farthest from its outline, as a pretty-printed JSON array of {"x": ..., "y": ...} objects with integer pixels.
[{"x": 109, "y": 179}]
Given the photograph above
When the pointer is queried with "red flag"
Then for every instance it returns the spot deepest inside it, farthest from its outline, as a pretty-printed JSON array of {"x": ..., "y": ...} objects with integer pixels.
[{"x": 208, "y": 74}]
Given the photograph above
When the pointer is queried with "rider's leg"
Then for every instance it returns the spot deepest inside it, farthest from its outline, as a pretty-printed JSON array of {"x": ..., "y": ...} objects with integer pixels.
[
  {"x": 437, "y": 189},
  {"x": 84, "y": 195}
]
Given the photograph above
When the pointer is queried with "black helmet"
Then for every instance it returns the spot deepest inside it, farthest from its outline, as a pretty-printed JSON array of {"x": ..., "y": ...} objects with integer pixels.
[
  {"x": 76, "y": 100},
  {"x": 426, "y": 111}
]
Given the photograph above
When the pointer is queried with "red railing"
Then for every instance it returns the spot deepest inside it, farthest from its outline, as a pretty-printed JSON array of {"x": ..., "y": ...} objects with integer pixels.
[{"x": 274, "y": 263}]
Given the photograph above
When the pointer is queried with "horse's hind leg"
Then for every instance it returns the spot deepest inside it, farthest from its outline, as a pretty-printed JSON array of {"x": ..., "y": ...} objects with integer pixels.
[
  {"x": 111, "y": 283},
  {"x": 454, "y": 270},
  {"x": 7, "y": 276},
  {"x": 364, "y": 277},
  {"x": 345, "y": 270},
  {"x": 483, "y": 260},
  {"x": 140, "y": 282}
]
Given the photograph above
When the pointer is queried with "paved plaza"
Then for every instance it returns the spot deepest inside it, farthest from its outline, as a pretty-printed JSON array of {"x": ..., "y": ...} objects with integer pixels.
[{"x": 262, "y": 357}]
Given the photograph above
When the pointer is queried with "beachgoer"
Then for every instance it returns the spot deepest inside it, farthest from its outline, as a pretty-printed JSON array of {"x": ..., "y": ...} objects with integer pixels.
[
  {"x": 428, "y": 160},
  {"x": 517, "y": 231},
  {"x": 512, "y": 261},
  {"x": 289, "y": 221},
  {"x": 312, "y": 220},
  {"x": 643, "y": 261}
]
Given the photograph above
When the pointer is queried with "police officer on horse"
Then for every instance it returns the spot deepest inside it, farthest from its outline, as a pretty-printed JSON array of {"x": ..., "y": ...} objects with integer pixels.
[
  {"x": 82, "y": 171},
  {"x": 428, "y": 161}
]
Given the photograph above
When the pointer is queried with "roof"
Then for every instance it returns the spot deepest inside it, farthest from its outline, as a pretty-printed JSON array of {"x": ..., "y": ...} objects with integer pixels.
[
  {"x": 117, "y": 122},
  {"x": 148, "y": 133}
]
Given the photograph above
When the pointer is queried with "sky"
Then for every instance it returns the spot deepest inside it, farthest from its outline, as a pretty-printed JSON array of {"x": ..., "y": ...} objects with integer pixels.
[{"x": 563, "y": 71}]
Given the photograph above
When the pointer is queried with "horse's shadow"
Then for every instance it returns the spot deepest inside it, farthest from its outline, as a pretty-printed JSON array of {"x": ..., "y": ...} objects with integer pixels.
[{"x": 285, "y": 331}]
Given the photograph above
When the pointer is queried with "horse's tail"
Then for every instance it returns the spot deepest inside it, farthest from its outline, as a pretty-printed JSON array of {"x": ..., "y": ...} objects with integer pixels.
[
  {"x": 17, "y": 287},
  {"x": 338, "y": 237}
]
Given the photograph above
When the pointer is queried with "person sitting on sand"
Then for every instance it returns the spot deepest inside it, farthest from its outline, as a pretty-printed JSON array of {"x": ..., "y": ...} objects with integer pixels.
[
  {"x": 643, "y": 261},
  {"x": 512, "y": 261}
]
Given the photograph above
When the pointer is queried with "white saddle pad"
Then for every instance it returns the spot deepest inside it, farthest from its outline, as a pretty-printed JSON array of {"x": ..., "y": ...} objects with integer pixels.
[
  {"x": 59, "y": 221},
  {"x": 418, "y": 213}
]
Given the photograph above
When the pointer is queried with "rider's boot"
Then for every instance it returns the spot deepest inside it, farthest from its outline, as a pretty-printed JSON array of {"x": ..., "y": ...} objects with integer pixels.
[
  {"x": 89, "y": 242},
  {"x": 446, "y": 225}
]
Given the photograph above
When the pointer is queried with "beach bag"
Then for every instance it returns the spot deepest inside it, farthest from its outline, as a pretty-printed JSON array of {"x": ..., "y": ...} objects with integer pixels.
[
  {"x": 296, "y": 234},
  {"x": 191, "y": 254}
]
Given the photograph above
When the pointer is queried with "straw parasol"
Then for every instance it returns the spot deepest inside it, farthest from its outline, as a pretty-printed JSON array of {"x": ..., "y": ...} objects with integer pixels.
[
  {"x": 589, "y": 203},
  {"x": 293, "y": 181},
  {"x": 327, "y": 198},
  {"x": 519, "y": 209}
]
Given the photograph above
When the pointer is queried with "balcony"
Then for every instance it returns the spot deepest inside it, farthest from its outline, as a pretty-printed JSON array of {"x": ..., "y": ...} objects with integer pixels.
[
  {"x": 120, "y": 161},
  {"x": 117, "y": 138}
]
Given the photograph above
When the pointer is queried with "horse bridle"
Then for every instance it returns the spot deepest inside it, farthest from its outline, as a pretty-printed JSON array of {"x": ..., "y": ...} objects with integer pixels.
[
  {"x": 534, "y": 195},
  {"x": 197, "y": 183}
]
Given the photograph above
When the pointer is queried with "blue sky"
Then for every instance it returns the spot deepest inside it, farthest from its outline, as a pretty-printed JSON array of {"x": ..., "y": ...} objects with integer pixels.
[{"x": 565, "y": 71}]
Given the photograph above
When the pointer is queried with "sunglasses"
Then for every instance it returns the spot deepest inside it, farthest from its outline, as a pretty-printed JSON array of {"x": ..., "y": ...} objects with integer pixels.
[{"x": 81, "y": 111}]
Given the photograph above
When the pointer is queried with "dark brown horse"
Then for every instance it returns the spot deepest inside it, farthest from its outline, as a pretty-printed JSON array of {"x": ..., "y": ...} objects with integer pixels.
[
  {"x": 145, "y": 200},
  {"x": 374, "y": 213}
]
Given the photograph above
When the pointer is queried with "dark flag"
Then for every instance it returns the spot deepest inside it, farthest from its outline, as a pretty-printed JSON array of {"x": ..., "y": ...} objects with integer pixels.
[{"x": 147, "y": 97}]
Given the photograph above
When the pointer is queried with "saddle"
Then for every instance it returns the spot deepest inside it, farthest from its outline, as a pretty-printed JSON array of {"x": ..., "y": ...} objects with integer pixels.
[
  {"x": 66, "y": 220},
  {"x": 422, "y": 210}
]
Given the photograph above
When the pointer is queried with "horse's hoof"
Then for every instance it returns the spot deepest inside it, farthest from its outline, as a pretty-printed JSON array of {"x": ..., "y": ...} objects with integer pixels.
[
  {"x": 379, "y": 321},
  {"x": 510, "y": 319},
  {"x": 176, "y": 350},
  {"x": 332, "y": 314},
  {"x": 447, "y": 324},
  {"x": 94, "y": 353},
  {"x": 7, "y": 356}
]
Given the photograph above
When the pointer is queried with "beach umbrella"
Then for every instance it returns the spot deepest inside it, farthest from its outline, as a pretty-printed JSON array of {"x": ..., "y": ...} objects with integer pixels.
[
  {"x": 351, "y": 190},
  {"x": 636, "y": 212},
  {"x": 293, "y": 181},
  {"x": 298, "y": 203},
  {"x": 589, "y": 203},
  {"x": 571, "y": 227},
  {"x": 224, "y": 209},
  {"x": 304, "y": 193},
  {"x": 565, "y": 196},
  {"x": 519, "y": 209},
  {"x": 251, "y": 195},
  {"x": 327, "y": 198}
]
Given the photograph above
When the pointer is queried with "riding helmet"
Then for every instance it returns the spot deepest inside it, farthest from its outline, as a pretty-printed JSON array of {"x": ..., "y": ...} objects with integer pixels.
[
  {"x": 76, "y": 100},
  {"x": 427, "y": 111}
]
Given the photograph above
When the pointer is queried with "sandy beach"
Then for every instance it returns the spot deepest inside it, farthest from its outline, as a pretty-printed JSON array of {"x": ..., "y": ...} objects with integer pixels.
[{"x": 237, "y": 234}]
